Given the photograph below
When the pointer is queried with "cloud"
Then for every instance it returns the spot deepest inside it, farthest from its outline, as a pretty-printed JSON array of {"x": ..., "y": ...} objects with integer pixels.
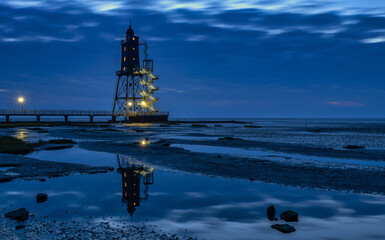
[
  {"x": 165, "y": 89},
  {"x": 374, "y": 40},
  {"x": 45, "y": 39},
  {"x": 203, "y": 44},
  {"x": 347, "y": 104}
]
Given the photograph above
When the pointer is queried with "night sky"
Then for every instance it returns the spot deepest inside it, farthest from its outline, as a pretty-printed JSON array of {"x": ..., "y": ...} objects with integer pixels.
[{"x": 216, "y": 58}]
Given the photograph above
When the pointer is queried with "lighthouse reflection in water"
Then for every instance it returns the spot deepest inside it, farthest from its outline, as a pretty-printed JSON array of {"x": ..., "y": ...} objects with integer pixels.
[{"x": 134, "y": 176}]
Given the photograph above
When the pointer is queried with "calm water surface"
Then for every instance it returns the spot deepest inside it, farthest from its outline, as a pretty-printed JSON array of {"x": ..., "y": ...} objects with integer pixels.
[{"x": 199, "y": 206}]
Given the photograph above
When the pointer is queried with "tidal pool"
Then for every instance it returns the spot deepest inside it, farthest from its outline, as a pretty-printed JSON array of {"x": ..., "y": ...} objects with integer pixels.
[{"x": 194, "y": 205}]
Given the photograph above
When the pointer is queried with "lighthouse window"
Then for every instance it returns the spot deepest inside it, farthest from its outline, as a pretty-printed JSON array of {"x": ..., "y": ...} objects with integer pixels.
[
  {"x": 124, "y": 48},
  {"x": 124, "y": 59},
  {"x": 124, "y": 69}
]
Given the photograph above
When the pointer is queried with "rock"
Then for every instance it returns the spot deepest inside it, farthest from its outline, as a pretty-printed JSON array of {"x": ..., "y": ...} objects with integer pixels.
[
  {"x": 353, "y": 147},
  {"x": 19, "y": 227},
  {"x": 270, "y": 212},
  {"x": 228, "y": 138},
  {"x": 284, "y": 228},
  {"x": 252, "y": 126},
  {"x": 20, "y": 214},
  {"x": 289, "y": 216},
  {"x": 41, "y": 197}
]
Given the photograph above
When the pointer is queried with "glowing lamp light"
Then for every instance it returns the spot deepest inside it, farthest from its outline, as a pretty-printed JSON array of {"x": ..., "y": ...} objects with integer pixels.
[
  {"x": 129, "y": 104},
  {"x": 143, "y": 143},
  {"x": 143, "y": 103},
  {"x": 21, "y": 100}
]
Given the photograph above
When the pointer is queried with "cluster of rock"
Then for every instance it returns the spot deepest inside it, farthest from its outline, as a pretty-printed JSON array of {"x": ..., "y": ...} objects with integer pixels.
[
  {"x": 70, "y": 229},
  {"x": 287, "y": 216},
  {"x": 22, "y": 214}
]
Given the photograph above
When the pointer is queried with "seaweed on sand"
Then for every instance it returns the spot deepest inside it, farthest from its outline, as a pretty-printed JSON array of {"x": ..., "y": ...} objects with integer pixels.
[{"x": 14, "y": 145}]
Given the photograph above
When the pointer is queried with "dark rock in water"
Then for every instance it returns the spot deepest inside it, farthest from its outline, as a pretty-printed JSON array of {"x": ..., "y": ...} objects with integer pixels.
[
  {"x": 42, "y": 180},
  {"x": 228, "y": 138},
  {"x": 353, "y": 147},
  {"x": 19, "y": 214},
  {"x": 289, "y": 216},
  {"x": 198, "y": 125},
  {"x": 251, "y": 179},
  {"x": 19, "y": 227},
  {"x": 270, "y": 213},
  {"x": 252, "y": 126},
  {"x": 284, "y": 228},
  {"x": 57, "y": 147},
  {"x": 41, "y": 197},
  {"x": 219, "y": 156}
]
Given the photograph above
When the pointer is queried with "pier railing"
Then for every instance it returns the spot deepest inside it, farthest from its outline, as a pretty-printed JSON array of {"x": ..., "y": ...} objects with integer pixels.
[{"x": 19, "y": 112}]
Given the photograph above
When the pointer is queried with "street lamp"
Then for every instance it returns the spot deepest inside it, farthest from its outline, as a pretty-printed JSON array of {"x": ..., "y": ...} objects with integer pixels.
[{"x": 21, "y": 102}]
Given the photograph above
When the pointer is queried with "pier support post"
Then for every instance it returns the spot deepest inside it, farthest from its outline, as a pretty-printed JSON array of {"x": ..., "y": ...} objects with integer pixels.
[
  {"x": 37, "y": 118},
  {"x": 7, "y": 118},
  {"x": 66, "y": 119},
  {"x": 91, "y": 119}
]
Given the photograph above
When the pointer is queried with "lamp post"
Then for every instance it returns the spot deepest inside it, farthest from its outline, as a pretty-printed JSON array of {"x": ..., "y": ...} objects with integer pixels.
[{"x": 21, "y": 102}]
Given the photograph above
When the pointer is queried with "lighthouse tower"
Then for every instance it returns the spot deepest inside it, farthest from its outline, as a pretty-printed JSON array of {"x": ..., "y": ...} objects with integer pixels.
[{"x": 134, "y": 94}]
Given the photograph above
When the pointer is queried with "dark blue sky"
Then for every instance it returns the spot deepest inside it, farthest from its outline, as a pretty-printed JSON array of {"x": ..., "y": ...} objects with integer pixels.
[{"x": 228, "y": 58}]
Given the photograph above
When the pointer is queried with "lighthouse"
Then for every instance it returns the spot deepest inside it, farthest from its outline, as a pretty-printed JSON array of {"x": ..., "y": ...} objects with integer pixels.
[{"x": 134, "y": 93}]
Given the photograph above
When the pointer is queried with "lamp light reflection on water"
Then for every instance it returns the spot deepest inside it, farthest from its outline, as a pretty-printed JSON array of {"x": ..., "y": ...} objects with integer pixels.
[{"x": 21, "y": 134}]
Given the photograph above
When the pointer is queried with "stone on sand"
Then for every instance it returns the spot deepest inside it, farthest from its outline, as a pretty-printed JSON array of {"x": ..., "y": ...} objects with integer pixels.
[
  {"x": 284, "y": 228},
  {"x": 270, "y": 212},
  {"x": 41, "y": 197},
  {"x": 289, "y": 216},
  {"x": 20, "y": 214}
]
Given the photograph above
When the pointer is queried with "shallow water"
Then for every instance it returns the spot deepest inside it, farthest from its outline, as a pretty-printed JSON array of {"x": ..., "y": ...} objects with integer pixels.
[
  {"x": 277, "y": 156},
  {"x": 195, "y": 205},
  {"x": 202, "y": 206}
]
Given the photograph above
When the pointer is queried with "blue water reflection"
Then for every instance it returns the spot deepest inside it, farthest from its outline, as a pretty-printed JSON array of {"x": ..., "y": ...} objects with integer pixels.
[{"x": 202, "y": 206}]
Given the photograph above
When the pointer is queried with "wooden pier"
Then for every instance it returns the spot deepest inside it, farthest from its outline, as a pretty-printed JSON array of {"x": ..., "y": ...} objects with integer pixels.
[{"x": 128, "y": 116}]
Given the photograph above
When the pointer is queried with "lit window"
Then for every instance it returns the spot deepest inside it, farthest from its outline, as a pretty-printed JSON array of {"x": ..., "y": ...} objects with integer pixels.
[
  {"x": 133, "y": 59},
  {"x": 133, "y": 48},
  {"x": 133, "y": 38},
  {"x": 124, "y": 48},
  {"x": 125, "y": 184},
  {"x": 124, "y": 174},
  {"x": 134, "y": 68},
  {"x": 134, "y": 204},
  {"x": 124, "y": 59},
  {"x": 124, "y": 69}
]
